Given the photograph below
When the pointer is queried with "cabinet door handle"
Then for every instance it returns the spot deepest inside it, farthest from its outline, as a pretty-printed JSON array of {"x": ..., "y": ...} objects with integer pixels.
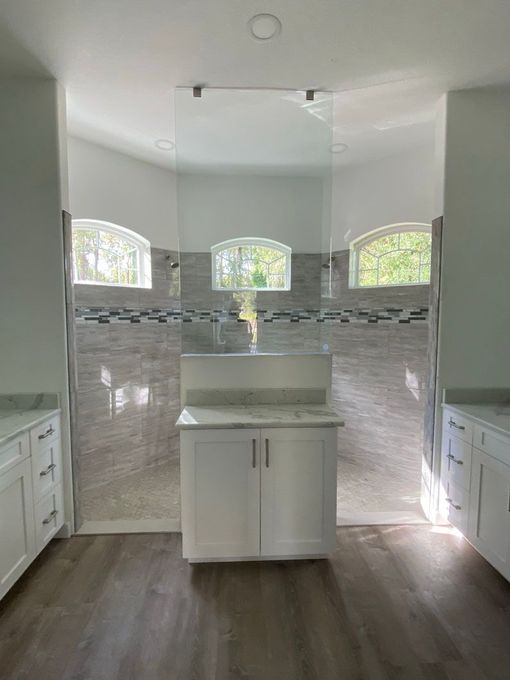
[
  {"x": 455, "y": 460},
  {"x": 267, "y": 453},
  {"x": 254, "y": 453},
  {"x": 50, "y": 517},
  {"x": 450, "y": 502},
  {"x": 48, "y": 470},
  {"x": 452, "y": 423},
  {"x": 48, "y": 432}
]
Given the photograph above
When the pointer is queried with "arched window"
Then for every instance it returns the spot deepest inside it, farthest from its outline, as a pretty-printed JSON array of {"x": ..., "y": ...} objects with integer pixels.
[
  {"x": 251, "y": 264},
  {"x": 109, "y": 255},
  {"x": 398, "y": 255}
]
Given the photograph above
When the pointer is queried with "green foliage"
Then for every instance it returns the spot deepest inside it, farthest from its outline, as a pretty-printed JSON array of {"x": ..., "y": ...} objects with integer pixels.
[
  {"x": 395, "y": 259},
  {"x": 101, "y": 257},
  {"x": 250, "y": 267}
]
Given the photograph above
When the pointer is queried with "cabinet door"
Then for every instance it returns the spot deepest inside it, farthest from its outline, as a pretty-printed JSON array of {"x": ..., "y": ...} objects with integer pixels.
[
  {"x": 17, "y": 547},
  {"x": 220, "y": 488},
  {"x": 298, "y": 491},
  {"x": 489, "y": 511}
]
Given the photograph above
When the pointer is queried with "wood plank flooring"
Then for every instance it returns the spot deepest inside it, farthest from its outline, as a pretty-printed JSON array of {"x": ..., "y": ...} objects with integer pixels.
[{"x": 402, "y": 603}]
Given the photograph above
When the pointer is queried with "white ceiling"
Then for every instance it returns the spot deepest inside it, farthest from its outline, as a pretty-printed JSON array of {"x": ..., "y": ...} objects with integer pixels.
[{"x": 388, "y": 60}]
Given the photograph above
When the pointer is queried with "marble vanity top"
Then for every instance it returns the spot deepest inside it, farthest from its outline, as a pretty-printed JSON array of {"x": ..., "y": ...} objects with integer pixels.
[
  {"x": 258, "y": 415},
  {"x": 496, "y": 416},
  {"x": 13, "y": 422},
  {"x": 22, "y": 412}
]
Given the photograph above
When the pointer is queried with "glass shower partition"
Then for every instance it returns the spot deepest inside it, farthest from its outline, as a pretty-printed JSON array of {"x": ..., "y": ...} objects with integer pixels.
[{"x": 254, "y": 197}]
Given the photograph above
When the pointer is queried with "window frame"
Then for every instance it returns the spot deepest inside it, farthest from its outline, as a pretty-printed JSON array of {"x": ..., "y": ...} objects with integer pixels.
[
  {"x": 357, "y": 244},
  {"x": 142, "y": 245},
  {"x": 285, "y": 250}
]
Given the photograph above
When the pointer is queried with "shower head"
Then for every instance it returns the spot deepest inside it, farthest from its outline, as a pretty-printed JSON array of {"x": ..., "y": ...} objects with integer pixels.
[
  {"x": 327, "y": 265},
  {"x": 174, "y": 264}
]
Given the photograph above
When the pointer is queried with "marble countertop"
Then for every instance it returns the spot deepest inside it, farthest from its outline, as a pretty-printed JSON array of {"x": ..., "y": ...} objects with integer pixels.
[
  {"x": 258, "y": 415},
  {"x": 496, "y": 416},
  {"x": 15, "y": 421}
]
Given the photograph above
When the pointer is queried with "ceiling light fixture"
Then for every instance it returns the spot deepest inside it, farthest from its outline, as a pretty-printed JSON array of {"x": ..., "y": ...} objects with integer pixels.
[
  {"x": 164, "y": 144},
  {"x": 264, "y": 27},
  {"x": 338, "y": 147}
]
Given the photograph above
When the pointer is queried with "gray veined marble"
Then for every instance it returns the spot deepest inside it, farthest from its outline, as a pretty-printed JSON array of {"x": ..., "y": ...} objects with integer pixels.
[
  {"x": 261, "y": 415},
  {"x": 243, "y": 397}
]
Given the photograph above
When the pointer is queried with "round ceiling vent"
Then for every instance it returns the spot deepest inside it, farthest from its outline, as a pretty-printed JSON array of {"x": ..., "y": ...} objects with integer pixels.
[
  {"x": 264, "y": 27},
  {"x": 164, "y": 144},
  {"x": 338, "y": 147}
]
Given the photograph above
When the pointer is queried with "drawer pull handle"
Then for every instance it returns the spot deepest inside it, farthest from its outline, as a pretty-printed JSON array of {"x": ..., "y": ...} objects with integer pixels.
[
  {"x": 48, "y": 470},
  {"x": 454, "y": 505},
  {"x": 455, "y": 460},
  {"x": 267, "y": 453},
  {"x": 452, "y": 423},
  {"x": 48, "y": 433},
  {"x": 50, "y": 517},
  {"x": 254, "y": 453}
]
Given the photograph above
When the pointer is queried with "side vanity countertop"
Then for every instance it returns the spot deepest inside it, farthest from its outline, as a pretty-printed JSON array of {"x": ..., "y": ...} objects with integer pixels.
[
  {"x": 495, "y": 416},
  {"x": 14, "y": 422},
  {"x": 258, "y": 415}
]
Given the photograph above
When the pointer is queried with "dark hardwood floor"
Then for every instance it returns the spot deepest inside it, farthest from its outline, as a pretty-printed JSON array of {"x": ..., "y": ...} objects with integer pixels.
[{"x": 393, "y": 603}]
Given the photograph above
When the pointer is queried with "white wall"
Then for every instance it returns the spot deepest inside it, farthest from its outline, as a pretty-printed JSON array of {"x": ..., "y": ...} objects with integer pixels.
[
  {"x": 33, "y": 351},
  {"x": 213, "y": 208},
  {"x": 388, "y": 191},
  {"x": 111, "y": 186},
  {"x": 474, "y": 327}
]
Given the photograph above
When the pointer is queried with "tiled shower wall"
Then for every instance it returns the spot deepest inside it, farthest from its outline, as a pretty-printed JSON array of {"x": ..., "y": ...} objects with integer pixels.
[
  {"x": 128, "y": 346},
  {"x": 128, "y": 399},
  {"x": 380, "y": 373}
]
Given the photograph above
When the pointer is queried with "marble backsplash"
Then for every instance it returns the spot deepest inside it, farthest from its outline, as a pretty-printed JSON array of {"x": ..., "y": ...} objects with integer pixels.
[{"x": 29, "y": 401}]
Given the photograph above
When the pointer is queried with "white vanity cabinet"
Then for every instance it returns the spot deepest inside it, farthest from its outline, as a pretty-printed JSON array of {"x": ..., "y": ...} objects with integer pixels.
[
  {"x": 258, "y": 493},
  {"x": 17, "y": 530},
  {"x": 30, "y": 498},
  {"x": 475, "y": 486}
]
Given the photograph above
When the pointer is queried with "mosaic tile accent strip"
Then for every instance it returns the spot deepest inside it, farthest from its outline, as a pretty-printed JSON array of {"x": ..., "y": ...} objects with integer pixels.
[{"x": 103, "y": 315}]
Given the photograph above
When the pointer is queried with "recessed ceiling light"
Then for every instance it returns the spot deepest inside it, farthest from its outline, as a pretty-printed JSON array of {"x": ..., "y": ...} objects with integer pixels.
[
  {"x": 264, "y": 27},
  {"x": 164, "y": 144},
  {"x": 338, "y": 147}
]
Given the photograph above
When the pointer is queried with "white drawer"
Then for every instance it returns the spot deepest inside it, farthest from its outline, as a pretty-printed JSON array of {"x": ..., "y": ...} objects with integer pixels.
[
  {"x": 454, "y": 505},
  {"x": 14, "y": 452},
  {"x": 49, "y": 517},
  {"x": 46, "y": 469},
  {"x": 456, "y": 460},
  {"x": 458, "y": 425},
  {"x": 492, "y": 443},
  {"x": 44, "y": 434}
]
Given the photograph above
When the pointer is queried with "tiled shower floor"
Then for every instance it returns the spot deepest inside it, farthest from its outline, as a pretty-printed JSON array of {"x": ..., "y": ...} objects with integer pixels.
[
  {"x": 152, "y": 493},
  {"x": 364, "y": 492}
]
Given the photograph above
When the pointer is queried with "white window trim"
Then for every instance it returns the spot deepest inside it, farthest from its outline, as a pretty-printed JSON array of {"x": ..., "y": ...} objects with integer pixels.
[
  {"x": 264, "y": 242},
  {"x": 356, "y": 245},
  {"x": 142, "y": 245}
]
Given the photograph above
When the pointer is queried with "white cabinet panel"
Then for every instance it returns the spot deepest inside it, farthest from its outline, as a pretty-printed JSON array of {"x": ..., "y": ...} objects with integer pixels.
[
  {"x": 456, "y": 461},
  {"x": 17, "y": 547},
  {"x": 458, "y": 425},
  {"x": 46, "y": 469},
  {"x": 298, "y": 491},
  {"x": 493, "y": 443},
  {"x": 48, "y": 517},
  {"x": 454, "y": 504},
  {"x": 489, "y": 515},
  {"x": 14, "y": 452},
  {"x": 220, "y": 486}
]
